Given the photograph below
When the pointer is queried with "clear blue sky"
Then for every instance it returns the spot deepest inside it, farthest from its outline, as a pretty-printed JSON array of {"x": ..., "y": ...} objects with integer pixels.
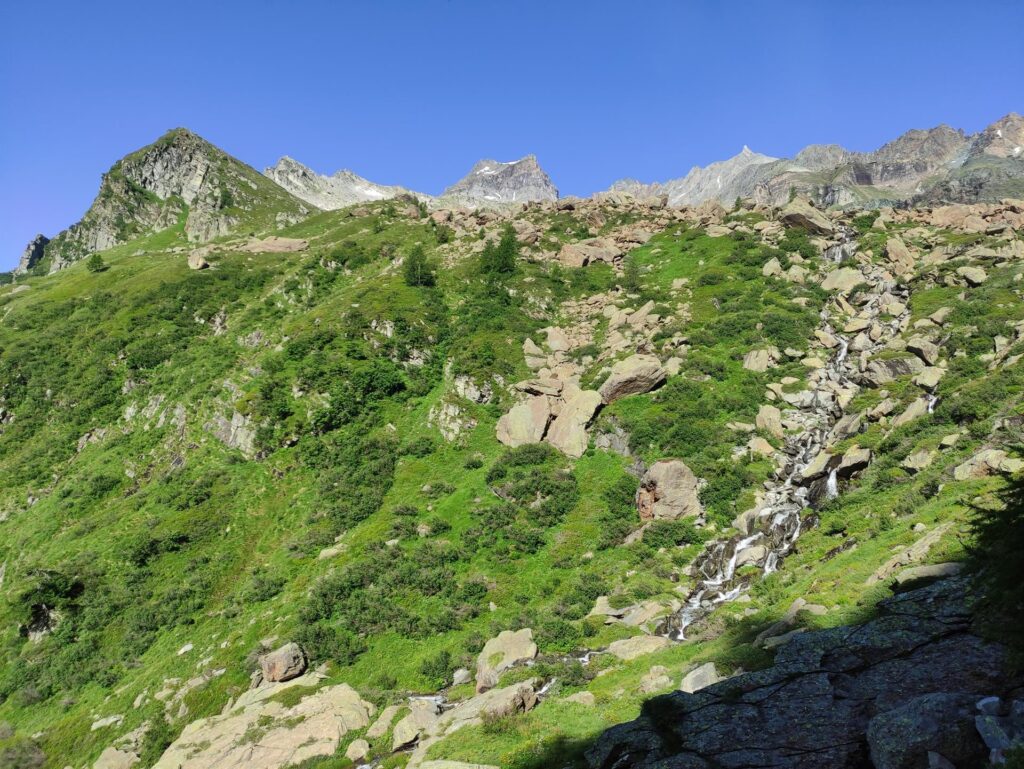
[{"x": 415, "y": 92}]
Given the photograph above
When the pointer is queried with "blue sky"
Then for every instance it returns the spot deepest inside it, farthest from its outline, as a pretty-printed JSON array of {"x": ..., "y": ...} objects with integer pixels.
[{"x": 415, "y": 92}]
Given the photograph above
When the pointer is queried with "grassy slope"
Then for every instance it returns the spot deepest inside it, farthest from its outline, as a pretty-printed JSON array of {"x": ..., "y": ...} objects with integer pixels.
[{"x": 246, "y": 519}]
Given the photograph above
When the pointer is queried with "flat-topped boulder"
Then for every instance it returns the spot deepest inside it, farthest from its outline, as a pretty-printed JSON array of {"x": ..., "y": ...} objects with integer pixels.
[{"x": 502, "y": 652}]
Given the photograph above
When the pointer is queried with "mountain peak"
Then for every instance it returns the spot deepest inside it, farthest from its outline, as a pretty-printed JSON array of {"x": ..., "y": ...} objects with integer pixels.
[
  {"x": 340, "y": 189},
  {"x": 494, "y": 183},
  {"x": 180, "y": 176}
]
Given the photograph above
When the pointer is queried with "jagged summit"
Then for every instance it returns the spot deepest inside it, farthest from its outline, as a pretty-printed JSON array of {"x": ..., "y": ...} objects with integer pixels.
[
  {"x": 342, "y": 188},
  {"x": 940, "y": 164},
  {"x": 180, "y": 180},
  {"x": 493, "y": 183}
]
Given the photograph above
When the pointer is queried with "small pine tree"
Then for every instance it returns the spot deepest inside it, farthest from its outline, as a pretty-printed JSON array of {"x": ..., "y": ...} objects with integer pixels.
[
  {"x": 416, "y": 268},
  {"x": 501, "y": 259},
  {"x": 95, "y": 263}
]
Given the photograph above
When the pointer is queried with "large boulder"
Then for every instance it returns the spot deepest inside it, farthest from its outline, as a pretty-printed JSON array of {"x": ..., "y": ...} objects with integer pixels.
[
  {"x": 668, "y": 490},
  {"x": 637, "y": 646},
  {"x": 986, "y": 462},
  {"x": 588, "y": 251},
  {"x": 880, "y": 372},
  {"x": 568, "y": 432},
  {"x": 844, "y": 279},
  {"x": 769, "y": 418},
  {"x": 800, "y": 213},
  {"x": 525, "y": 423},
  {"x": 315, "y": 726},
  {"x": 700, "y": 678},
  {"x": 502, "y": 652},
  {"x": 636, "y": 374},
  {"x": 284, "y": 663}
]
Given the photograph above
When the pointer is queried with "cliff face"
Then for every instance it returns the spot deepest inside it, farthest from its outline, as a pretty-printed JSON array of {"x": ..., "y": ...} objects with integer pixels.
[
  {"x": 492, "y": 183},
  {"x": 179, "y": 180}
]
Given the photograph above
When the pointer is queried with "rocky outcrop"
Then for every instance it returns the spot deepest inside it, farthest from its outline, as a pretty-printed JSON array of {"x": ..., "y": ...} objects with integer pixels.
[
  {"x": 265, "y": 734},
  {"x": 668, "y": 491},
  {"x": 892, "y": 690},
  {"x": 32, "y": 254},
  {"x": 179, "y": 175},
  {"x": 491, "y": 183},
  {"x": 343, "y": 188}
]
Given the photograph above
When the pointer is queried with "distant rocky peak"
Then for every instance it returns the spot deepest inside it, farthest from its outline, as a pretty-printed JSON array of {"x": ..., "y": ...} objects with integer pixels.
[
  {"x": 342, "y": 188},
  {"x": 494, "y": 183},
  {"x": 1002, "y": 139}
]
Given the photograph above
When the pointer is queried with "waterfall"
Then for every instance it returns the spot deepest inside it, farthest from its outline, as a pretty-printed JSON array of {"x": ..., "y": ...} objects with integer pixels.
[
  {"x": 932, "y": 400},
  {"x": 832, "y": 484},
  {"x": 780, "y": 520}
]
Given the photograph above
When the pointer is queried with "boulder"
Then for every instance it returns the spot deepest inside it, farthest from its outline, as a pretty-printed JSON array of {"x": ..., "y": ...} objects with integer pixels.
[
  {"x": 668, "y": 491},
  {"x": 800, "y": 213},
  {"x": 883, "y": 371},
  {"x": 843, "y": 279},
  {"x": 985, "y": 463},
  {"x": 854, "y": 460},
  {"x": 197, "y": 261},
  {"x": 630, "y": 648},
  {"x": 918, "y": 461},
  {"x": 899, "y": 256},
  {"x": 929, "y": 377},
  {"x": 974, "y": 276},
  {"x": 917, "y": 408},
  {"x": 769, "y": 418},
  {"x": 422, "y": 717},
  {"x": 636, "y": 374},
  {"x": 380, "y": 727},
  {"x": 759, "y": 360},
  {"x": 588, "y": 251},
  {"x": 526, "y": 422},
  {"x": 357, "y": 751},
  {"x": 288, "y": 735},
  {"x": 924, "y": 349},
  {"x": 284, "y": 663},
  {"x": 930, "y": 571},
  {"x": 568, "y": 432},
  {"x": 502, "y": 652},
  {"x": 698, "y": 678}
]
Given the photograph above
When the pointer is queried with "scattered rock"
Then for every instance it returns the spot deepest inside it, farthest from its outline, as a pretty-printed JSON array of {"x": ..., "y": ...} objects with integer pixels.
[{"x": 636, "y": 374}]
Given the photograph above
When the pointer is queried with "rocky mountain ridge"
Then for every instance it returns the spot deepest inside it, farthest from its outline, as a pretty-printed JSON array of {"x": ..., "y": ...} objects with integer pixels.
[
  {"x": 183, "y": 182},
  {"x": 329, "y": 193},
  {"x": 940, "y": 164}
]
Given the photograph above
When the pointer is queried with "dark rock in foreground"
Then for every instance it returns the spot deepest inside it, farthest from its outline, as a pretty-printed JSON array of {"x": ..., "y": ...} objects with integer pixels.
[{"x": 882, "y": 694}]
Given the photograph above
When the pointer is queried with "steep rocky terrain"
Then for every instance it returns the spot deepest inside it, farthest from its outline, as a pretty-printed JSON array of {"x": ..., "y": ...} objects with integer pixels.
[
  {"x": 567, "y": 483},
  {"x": 941, "y": 164},
  {"x": 330, "y": 193},
  {"x": 180, "y": 184},
  {"x": 493, "y": 183}
]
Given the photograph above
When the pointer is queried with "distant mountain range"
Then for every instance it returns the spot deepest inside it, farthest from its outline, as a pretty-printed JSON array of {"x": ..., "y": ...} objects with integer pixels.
[
  {"x": 181, "y": 180},
  {"x": 940, "y": 164}
]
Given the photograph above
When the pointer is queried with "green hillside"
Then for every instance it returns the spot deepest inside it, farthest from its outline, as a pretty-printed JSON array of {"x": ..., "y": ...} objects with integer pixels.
[{"x": 298, "y": 443}]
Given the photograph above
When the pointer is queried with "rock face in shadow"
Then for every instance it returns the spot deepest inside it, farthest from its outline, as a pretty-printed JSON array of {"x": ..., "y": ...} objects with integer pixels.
[{"x": 834, "y": 698}]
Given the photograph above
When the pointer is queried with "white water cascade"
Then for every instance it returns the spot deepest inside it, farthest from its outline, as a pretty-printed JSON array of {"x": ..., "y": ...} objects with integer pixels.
[{"x": 781, "y": 516}]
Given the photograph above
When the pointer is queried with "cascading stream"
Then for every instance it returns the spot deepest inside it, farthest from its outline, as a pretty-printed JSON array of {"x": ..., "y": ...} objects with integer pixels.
[{"x": 780, "y": 520}]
